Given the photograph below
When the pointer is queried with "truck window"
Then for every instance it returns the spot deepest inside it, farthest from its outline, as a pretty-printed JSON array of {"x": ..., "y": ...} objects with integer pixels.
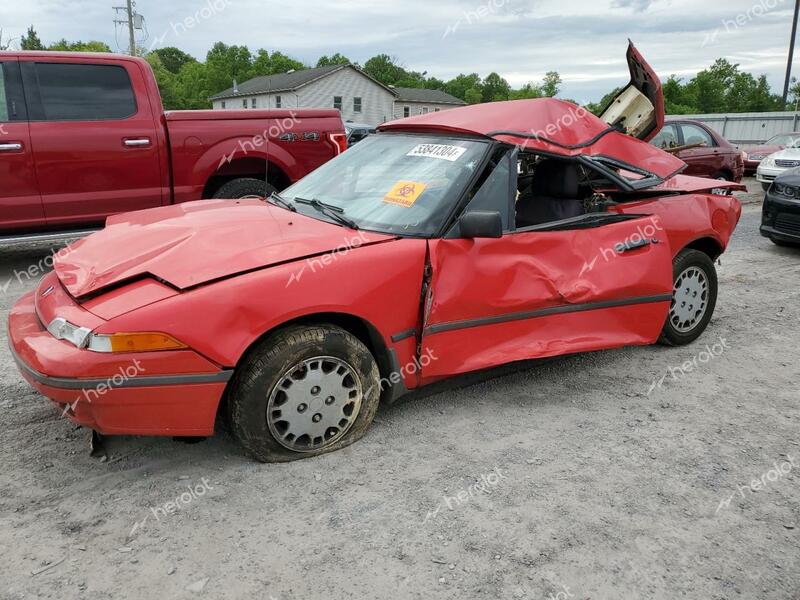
[{"x": 77, "y": 92}]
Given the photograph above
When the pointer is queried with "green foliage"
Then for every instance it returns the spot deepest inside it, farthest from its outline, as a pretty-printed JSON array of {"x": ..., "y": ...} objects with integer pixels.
[
  {"x": 90, "y": 46},
  {"x": 335, "y": 59},
  {"x": 172, "y": 59},
  {"x": 31, "y": 41}
]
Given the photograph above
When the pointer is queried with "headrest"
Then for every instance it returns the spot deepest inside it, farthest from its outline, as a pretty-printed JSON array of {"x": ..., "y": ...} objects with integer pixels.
[{"x": 555, "y": 179}]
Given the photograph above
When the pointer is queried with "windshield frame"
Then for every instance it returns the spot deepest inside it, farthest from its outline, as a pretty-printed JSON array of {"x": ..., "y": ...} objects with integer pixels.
[
  {"x": 792, "y": 137},
  {"x": 452, "y": 211}
]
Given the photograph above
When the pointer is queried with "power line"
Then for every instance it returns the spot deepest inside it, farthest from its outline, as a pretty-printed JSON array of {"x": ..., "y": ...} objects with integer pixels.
[{"x": 133, "y": 21}]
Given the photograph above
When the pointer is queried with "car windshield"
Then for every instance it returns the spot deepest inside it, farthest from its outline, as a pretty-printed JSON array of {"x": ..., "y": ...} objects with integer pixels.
[
  {"x": 392, "y": 183},
  {"x": 790, "y": 140}
]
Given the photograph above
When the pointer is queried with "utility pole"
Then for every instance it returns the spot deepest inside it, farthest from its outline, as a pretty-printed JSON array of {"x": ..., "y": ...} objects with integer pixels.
[
  {"x": 128, "y": 9},
  {"x": 791, "y": 55}
]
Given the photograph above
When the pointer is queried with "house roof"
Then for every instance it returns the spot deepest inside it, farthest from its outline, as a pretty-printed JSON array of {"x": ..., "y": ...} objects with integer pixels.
[
  {"x": 426, "y": 96},
  {"x": 286, "y": 82}
]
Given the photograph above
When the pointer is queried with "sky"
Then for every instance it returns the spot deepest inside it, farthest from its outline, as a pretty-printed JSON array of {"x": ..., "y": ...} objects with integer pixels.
[{"x": 583, "y": 40}]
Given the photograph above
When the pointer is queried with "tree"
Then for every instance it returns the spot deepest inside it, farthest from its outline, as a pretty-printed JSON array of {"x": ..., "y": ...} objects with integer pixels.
[
  {"x": 551, "y": 84},
  {"x": 173, "y": 59},
  {"x": 277, "y": 62},
  {"x": 334, "y": 59},
  {"x": 31, "y": 41},
  {"x": 168, "y": 85},
  {"x": 495, "y": 88},
  {"x": 225, "y": 63},
  {"x": 385, "y": 69},
  {"x": 460, "y": 85},
  {"x": 91, "y": 46},
  {"x": 194, "y": 86}
]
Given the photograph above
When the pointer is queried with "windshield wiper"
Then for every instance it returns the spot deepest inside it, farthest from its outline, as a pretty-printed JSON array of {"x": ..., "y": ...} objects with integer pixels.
[
  {"x": 334, "y": 212},
  {"x": 276, "y": 198}
]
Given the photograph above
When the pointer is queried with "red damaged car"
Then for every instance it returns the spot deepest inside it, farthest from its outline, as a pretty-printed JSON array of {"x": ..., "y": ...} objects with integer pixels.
[{"x": 446, "y": 243}]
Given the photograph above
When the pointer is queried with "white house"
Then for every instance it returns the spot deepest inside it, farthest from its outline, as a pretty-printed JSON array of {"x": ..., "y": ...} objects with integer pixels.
[{"x": 360, "y": 98}]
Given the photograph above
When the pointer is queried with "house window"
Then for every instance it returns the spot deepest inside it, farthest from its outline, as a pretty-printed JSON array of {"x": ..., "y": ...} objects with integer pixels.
[
  {"x": 435, "y": 110},
  {"x": 223, "y": 104},
  {"x": 357, "y": 105},
  {"x": 424, "y": 110},
  {"x": 252, "y": 102},
  {"x": 277, "y": 102},
  {"x": 244, "y": 103},
  {"x": 337, "y": 102},
  {"x": 406, "y": 111}
]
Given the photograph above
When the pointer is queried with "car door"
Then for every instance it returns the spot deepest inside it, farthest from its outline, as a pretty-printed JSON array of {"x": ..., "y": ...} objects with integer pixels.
[
  {"x": 95, "y": 140},
  {"x": 20, "y": 202},
  {"x": 706, "y": 158},
  {"x": 582, "y": 284}
]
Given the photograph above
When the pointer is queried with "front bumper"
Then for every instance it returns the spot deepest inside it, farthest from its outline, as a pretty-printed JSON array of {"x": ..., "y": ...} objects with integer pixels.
[
  {"x": 768, "y": 174},
  {"x": 780, "y": 218},
  {"x": 172, "y": 393}
]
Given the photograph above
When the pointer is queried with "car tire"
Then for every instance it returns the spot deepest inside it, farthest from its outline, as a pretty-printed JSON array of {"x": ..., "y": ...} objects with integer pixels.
[
  {"x": 694, "y": 280},
  {"x": 302, "y": 392},
  {"x": 244, "y": 187},
  {"x": 766, "y": 186},
  {"x": 723, "y": 176}
]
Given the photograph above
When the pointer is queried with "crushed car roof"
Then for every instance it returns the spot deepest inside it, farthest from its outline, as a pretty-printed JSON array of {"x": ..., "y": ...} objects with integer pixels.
[{"x": 545, "y": 125}]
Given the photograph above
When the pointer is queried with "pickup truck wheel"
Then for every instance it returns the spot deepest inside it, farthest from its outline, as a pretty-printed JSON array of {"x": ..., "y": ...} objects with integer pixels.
[
  {"x": 694, "y": 298},
  {"x": 244, "y": 187},
  {"x": 303, "y": 391}
]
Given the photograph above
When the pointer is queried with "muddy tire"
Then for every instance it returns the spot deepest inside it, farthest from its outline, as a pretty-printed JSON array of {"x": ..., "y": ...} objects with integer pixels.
[
  {"x": 302, "y": 392},
  {"x": 244, "y": 187},
  {"x": 694, "y": 299}
]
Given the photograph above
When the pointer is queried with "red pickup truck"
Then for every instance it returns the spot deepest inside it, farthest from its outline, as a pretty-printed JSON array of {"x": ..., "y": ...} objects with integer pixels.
[{"x": 85, "y": 136}]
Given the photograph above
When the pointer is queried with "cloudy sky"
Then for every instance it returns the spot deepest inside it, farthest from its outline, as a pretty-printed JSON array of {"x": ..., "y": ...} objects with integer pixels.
[{"x": 584, "y": 40}]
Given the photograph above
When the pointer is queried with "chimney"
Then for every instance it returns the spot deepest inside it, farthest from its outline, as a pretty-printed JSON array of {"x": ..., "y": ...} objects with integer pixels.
[{"x": 235, "y": 86}]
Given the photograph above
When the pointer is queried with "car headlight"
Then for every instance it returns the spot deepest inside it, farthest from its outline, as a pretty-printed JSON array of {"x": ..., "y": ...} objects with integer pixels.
[
  {"x": 768, "y": 162},
  {"x": 81, "y": 337},
  {"x": 758, "y": 156},
  {"x": 787, "y": 191}
]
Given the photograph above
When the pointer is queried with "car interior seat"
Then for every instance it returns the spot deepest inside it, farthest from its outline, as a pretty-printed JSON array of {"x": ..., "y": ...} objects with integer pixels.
[{"x": 551, "y": 196}]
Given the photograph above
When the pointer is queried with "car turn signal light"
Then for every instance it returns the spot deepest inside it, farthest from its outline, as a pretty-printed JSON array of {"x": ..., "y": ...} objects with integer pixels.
[{"x": 134, "y": 342}]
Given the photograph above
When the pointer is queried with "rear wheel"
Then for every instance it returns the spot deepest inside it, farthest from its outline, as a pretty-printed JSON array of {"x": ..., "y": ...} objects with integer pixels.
[
  {"x": 302, "y": 392},
  {"x": 244, "y": 187},
  {"x": 694, "y": 298}
]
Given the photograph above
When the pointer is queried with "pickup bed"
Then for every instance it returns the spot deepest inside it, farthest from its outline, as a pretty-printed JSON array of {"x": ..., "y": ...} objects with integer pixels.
[{"x": 85, "y": 136}]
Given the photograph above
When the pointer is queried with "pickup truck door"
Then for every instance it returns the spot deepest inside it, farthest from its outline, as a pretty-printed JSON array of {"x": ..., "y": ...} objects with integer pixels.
[
  {"x": 93, "y": 131},
  {"x": 20, "y": 202}
]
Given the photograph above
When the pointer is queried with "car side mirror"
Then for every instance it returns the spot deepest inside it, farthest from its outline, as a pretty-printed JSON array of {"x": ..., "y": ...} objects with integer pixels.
[{"x": 481, "y": 224}]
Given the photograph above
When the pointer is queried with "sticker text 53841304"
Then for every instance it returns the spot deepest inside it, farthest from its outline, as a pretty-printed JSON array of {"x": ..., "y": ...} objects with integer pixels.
[{"x": 441, "y": 151}]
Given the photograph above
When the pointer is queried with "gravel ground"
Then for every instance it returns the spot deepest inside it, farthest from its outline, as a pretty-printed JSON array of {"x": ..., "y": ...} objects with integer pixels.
[{"x": 607, "y": 475}]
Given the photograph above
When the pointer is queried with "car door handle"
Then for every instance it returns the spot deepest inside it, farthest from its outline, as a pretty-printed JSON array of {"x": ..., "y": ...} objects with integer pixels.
[
  {"x": 11, "y": 147},
  {"x": 628, "y": 246},
  {"x": 136, "y": 142}
]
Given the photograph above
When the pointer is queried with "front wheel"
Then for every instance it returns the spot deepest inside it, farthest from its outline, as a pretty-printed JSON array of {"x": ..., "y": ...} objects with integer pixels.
[
  {"x": 694, "y": 298},
  {"x": 244, "y": 187},
  {"x": 302, "y": 392}
]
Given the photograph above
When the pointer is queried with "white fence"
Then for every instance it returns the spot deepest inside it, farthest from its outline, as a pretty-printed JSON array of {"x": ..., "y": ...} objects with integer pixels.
[{"x": 749, "y": 128}]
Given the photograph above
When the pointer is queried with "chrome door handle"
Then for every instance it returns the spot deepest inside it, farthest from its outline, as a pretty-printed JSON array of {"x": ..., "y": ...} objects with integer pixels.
[
  {"x": 624, "y": 247},
  {"x": 137, "y": 143},
  {"x": 11, "y": 147}
]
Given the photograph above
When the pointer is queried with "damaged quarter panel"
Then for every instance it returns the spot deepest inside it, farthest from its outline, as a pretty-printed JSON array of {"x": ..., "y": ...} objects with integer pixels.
[
  {"x": 691, "y": 217},
  {"x": 535, "y": 294},
  {"x": 379, "y": 283}
]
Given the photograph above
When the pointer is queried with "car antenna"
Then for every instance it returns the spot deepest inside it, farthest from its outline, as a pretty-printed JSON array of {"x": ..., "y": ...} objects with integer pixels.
[{"x": 266, "y": 166}]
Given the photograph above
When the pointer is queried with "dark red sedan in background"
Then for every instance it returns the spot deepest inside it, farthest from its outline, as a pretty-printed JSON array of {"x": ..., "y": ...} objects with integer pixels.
[
  {"x": 755, "y": 154},
  {"x": 706, "y": 152}
]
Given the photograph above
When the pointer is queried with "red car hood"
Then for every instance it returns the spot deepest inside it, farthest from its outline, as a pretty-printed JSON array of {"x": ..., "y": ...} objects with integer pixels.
[
  {"x": 766, "y": 150},
  {"x": 190, "y": 244}
]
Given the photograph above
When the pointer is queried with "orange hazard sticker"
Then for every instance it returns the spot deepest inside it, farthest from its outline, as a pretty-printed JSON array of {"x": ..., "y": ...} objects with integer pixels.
[{"x": 405, "y": 193}]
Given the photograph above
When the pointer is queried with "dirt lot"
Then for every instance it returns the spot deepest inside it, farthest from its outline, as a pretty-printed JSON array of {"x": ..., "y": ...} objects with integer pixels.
[{"x": 620, "y": 474}]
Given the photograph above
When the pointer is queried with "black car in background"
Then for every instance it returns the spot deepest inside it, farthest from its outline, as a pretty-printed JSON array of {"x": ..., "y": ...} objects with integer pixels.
[
  {"x": 356, "y": 132},
  {"x": 780, "y": 220}
]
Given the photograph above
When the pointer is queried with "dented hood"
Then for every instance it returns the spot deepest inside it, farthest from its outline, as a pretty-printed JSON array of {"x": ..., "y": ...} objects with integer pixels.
[{"x": 194, "y": 243}]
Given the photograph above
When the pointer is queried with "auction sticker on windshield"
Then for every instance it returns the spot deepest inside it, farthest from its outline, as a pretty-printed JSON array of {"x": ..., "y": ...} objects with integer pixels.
[
  {"x": 442, "y": 151},
  {"x": 405, "y": 193}
]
